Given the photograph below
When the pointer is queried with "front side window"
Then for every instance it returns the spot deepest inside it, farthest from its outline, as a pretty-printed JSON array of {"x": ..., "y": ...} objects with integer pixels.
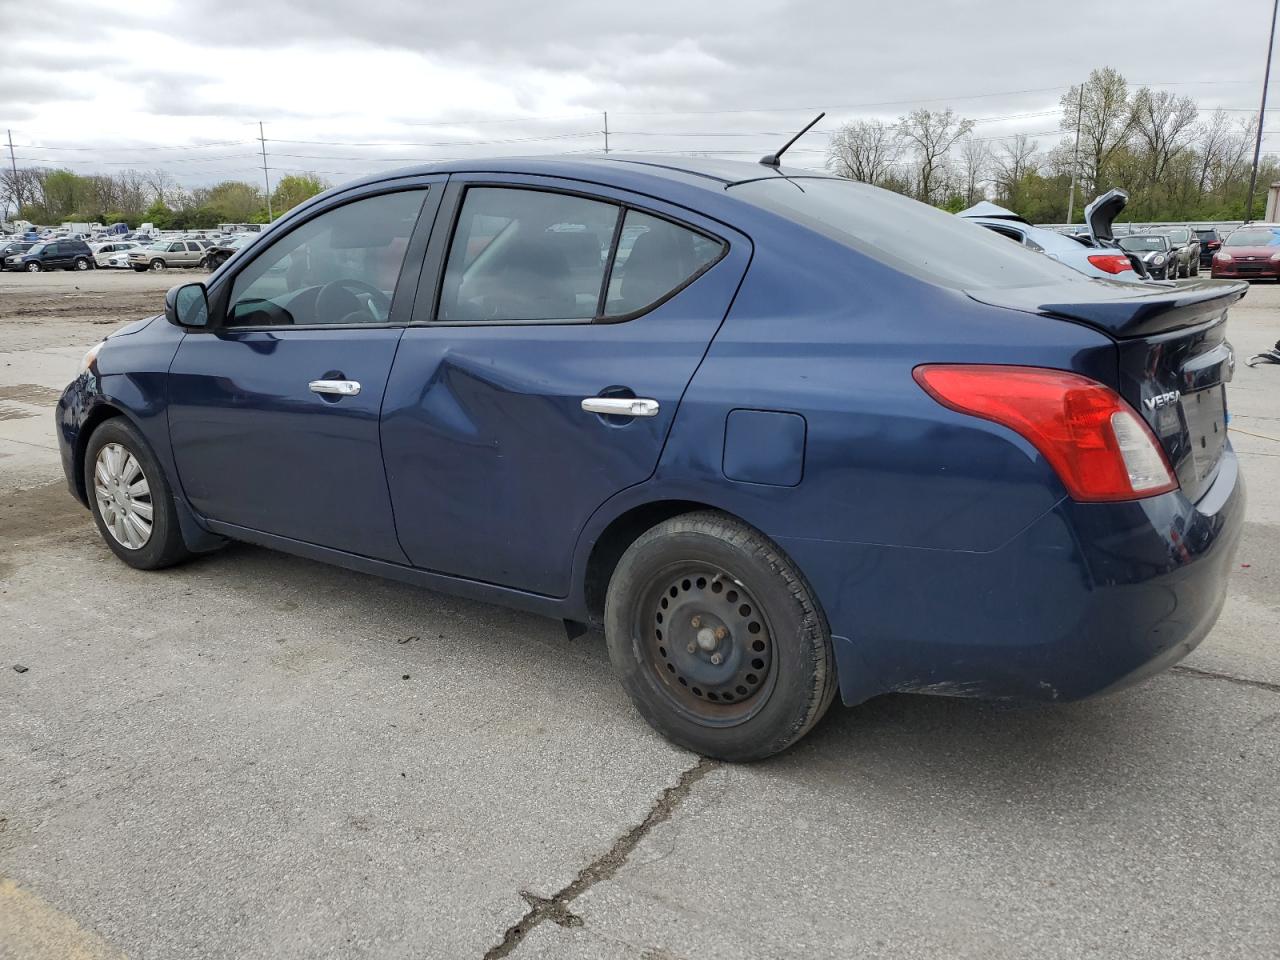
[
  {"x": 655, "y": 258},
  {"x": 527, "y": 255},
  {"x": 338, "y": 268}
]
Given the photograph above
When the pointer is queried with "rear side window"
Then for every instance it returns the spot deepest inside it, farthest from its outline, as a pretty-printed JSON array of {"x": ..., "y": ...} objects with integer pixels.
[
  {"x": 905, "y": 234},
  {"x": 655, "y": 258},
  {"x": 527, "y": 255}
]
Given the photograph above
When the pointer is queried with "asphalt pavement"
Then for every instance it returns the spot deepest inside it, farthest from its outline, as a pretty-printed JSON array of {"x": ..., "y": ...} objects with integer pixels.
[{"x": 254, "y": 755}]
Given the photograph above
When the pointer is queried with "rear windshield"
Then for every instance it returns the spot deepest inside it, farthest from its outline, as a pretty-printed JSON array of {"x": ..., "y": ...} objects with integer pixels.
[
  {"x": 1207, "y": 234},
  {"x": 1139, "y": 244},
  {"x": 1253, "y": 238},
  {"x": 1178, "y": 236},
  {"x": 905, "y": 234}
]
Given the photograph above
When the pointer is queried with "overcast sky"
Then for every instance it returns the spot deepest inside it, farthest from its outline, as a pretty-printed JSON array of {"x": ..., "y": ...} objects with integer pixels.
[{"x": 378, "y": 83}]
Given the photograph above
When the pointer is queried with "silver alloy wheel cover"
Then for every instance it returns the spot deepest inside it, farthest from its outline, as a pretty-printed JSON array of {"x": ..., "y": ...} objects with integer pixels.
[{"x": 123, "y": 496}]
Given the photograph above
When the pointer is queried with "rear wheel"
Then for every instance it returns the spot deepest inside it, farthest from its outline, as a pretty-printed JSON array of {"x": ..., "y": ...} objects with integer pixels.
[
  {"x": 81, "y": 263},
  {"x": 1195, "y": 267},
  {"x": 130, "y": 498},
  {"x": 717, "y": 638}
]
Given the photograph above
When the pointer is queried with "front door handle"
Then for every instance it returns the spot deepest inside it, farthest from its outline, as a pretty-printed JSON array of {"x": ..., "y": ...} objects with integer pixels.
[
  {"x": 338, "y": 388},
  {"x": 621, "y": 406}
]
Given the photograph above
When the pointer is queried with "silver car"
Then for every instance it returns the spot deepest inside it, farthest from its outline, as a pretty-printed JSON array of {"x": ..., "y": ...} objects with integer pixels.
[
  {"x": 161, "y": 254},
  {"x": 1096, "y": 256},
  {"x": 104, "y": 253}
]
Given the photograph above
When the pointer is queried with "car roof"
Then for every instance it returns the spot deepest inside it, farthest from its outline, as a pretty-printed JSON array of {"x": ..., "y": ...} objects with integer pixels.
[{"x": 613, "y": 168}]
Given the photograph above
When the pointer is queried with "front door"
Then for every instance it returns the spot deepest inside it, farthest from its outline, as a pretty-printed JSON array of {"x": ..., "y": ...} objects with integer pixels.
[
  {"x": 273, "y": 412},
  {"x": 549, "y": 298}
]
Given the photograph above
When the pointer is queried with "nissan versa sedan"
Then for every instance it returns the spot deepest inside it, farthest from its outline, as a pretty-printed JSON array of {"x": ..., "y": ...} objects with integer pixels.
[{"x": 808, "y": 436}]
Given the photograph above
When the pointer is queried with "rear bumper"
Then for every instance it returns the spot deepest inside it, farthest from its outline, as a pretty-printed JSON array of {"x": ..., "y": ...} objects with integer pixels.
[{"x": 1089, "y": 598}]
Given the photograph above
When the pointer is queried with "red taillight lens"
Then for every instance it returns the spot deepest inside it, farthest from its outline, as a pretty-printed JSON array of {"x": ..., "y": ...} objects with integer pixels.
[
  {"x": 1099, "y": 447},
  {"x": 1111, "y": 262}
]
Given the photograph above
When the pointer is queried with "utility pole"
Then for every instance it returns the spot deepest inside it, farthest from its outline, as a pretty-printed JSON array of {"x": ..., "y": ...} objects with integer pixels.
[
  {"x": 1262, "y": 113},
  {"x": 17, "y": 199},
  {"x": 266, "y": 178},
  {"x": 606, "y": 131},
  {"x": 1075, "y": 156}
]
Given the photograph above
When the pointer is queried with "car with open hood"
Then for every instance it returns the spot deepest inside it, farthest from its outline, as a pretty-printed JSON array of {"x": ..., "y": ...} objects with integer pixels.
[
  {"x": 1250, "y": 252},
  {"x": 808, "y": 437},
  {"x": 1095, "y": 255}
]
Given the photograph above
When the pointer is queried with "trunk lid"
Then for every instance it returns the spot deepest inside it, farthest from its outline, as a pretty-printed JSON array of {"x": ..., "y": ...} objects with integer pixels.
[
  {"x": 1174, "y": 358},
  {"x": 1101, "y": 214}
]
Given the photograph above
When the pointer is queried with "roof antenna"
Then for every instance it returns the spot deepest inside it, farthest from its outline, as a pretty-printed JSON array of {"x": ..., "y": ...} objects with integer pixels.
[{"x": 775, "y": 159}]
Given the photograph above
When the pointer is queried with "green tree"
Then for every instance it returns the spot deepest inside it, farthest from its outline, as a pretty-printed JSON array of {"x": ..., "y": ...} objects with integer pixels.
[
  {"x": 235, "y": 201},
  {"x": 294, "y": 189}
]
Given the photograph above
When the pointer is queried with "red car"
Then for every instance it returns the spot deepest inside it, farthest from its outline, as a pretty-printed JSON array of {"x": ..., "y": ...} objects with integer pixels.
[{"x": 1249, "y": 253}]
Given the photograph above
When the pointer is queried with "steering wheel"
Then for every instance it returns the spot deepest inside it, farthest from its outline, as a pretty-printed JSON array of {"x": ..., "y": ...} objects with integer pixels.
[{"x": 336, "y": 299}]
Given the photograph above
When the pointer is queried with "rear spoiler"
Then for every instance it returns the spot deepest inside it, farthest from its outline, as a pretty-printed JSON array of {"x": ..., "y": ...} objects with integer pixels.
[{"x": 1122, "y": 310}]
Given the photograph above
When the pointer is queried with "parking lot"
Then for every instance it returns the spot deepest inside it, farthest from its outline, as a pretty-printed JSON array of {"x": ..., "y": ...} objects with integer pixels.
[{"x": 254, "y": 755}]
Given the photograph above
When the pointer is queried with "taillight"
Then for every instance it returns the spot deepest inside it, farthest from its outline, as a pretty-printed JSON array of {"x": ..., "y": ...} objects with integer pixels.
[
  {"x": 1099, "y": 447},
  {"x": 1111, "y": 262}
]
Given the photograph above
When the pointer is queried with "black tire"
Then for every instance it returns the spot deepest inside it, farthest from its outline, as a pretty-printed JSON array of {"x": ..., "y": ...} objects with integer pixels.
[
  {"x": 81, "y": 264},
  {"x": 776, "y": 676},
  {"x": 158, "y": 264},
  {"x": 1195, "y": 268},
  {"x": 33, "y": 267},
  {"x": 164, "y": 547}
]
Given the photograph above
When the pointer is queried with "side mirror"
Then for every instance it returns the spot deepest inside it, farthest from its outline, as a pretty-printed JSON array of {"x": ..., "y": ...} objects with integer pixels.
[{"x": 187, "y": 305}]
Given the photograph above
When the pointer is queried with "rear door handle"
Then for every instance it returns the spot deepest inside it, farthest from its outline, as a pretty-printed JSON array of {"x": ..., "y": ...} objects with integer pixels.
[
  {"x": 338, "y": 388},
  {"x": 621, "y": 406}
]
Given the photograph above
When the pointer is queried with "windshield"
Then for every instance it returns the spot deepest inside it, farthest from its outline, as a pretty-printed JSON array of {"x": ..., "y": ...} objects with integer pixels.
[
  {"x": 37, "y": 248},
  {"x": 1253, "y": 238},
  {"x": 158, "y": 245},
  {"x": 1142, "y": 244},
  {"x": 905, "y": 234}
]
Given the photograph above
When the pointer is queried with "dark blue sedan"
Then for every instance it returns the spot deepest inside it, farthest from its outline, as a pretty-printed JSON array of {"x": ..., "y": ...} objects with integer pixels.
[{"x": 779, "y": 433}]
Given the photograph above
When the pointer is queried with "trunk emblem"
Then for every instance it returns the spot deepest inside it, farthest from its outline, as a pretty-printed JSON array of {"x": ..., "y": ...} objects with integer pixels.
[{"x": 1162, "y": 400}]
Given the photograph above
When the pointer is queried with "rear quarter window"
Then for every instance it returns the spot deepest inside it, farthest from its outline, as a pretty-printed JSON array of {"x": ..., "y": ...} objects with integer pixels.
[{"x": 905, "y": 234}]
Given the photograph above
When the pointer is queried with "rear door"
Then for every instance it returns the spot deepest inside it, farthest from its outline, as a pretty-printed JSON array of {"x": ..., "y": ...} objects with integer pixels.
[
  {"x": 555, "y": 331},
  {"x": 273, "y": 412}
]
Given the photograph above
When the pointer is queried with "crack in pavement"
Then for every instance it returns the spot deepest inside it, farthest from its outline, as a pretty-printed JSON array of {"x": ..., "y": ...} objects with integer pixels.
[
  {"x": 1213, "y": 675},
  {"x": 556, "y": 909}
]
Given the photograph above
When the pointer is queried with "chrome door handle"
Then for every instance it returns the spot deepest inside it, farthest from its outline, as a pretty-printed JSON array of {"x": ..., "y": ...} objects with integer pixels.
[
  {"x": 621, "y": 406},
  {"x": 338, "y": 388}
]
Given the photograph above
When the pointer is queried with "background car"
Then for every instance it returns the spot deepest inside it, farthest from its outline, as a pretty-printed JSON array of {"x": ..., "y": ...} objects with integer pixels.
[
  {"x": 1155, "y": 250},
  {"x": 1186, "y": 251},
  {"x": 102, "y": 252},
  {"x": 1249, "y": 253},
  {"x": 54, "y": 255},
  {"x": 1210, "y": 243},
  {"x": 1095, "y": 254},
  {"x": 161, "y": 254},
  {"x": 14, "y": 249},
  {"x": 219, "y": 253}
]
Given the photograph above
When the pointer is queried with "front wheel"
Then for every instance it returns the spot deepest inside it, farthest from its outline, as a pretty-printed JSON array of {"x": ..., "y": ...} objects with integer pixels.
[
  {"x": 130, "y": 498},
  {"x": 33, "y": 268},
  {"x": 157, "y": 264},
  {"x": 717, "y": 638}
]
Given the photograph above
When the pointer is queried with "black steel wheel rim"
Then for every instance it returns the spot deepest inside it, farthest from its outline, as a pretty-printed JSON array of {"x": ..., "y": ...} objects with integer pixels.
[{"x": 706, "y": 643}]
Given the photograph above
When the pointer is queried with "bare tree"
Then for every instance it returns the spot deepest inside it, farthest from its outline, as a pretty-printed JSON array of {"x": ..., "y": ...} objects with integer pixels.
[
  {"x": 931, "y": 135},
  {"x": 162, "y": 185},
  {"x": 865, "y": 150},
  {"x": 975, "y": 163},
  {"x": 1102, "y": 111},
  {"x": 1013, "y": 161},
  {"x": 1163, "y": 124}
]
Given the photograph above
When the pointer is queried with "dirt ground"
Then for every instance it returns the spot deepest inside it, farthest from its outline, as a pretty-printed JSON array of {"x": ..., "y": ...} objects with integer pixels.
[{"x": 69, "y": 308}]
